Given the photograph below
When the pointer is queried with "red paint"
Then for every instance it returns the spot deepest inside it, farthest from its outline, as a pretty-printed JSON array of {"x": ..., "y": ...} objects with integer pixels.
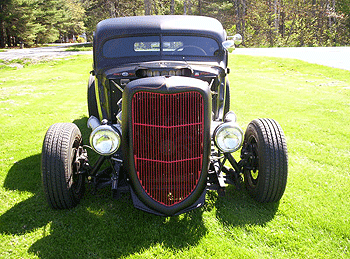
[{"x": 168, "y": 143}]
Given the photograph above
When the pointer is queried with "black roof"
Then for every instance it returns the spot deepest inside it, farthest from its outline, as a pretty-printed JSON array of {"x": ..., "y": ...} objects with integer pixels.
[{"x": 156, "y": 24}]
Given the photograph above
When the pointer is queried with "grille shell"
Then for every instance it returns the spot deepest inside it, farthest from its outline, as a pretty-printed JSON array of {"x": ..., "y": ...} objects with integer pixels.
[
  {"x": 168, "y": 132},
  {"x": 164, "y": 85}
]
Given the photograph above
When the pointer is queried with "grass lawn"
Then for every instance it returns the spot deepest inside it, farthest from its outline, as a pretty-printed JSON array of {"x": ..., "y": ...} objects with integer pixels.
[
  {"x": 312, "y": 220},
  {"x": 81, "y": 47}
]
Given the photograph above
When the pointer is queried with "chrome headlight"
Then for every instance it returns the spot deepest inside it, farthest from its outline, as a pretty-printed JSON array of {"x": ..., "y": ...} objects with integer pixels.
[
  {"x": 228, "y": 137},
  {"x": 105, "y": 140},
  {"x": 230, "y": 117}
]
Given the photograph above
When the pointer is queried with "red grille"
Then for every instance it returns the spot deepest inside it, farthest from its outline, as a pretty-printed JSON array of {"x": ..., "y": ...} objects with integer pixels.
[{"x": 168, "y": 143}]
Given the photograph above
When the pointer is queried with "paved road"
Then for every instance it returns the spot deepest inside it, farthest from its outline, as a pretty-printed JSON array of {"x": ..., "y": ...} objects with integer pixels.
[
  {"x": 43, "y": 52},
  {"x": 338, "y": 57}
]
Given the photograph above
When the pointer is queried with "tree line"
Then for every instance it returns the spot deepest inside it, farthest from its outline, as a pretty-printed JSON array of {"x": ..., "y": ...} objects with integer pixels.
[
  {"x": 261, "y": 23},
  {"x": 39, "y": 21}
]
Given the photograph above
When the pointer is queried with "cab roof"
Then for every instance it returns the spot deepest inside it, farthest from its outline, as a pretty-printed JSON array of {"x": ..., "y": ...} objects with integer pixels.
[
  {"x": 151, "y": 25},
  {"x": 156, "y": 24}
]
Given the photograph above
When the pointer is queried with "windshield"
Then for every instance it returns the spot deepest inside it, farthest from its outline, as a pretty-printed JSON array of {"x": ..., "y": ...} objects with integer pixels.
[{"x": 156, "y": 46}]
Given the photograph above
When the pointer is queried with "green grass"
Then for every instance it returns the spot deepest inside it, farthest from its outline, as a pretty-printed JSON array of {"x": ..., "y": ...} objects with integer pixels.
[
  {"x": 15, "y": 64},
  {"x": 82, "y": 47},
  {"x": 312, "y": 220}
]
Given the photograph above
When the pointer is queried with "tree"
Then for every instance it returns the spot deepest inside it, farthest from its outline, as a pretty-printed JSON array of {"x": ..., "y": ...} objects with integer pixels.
[
  {"x": 22, "y": 24},
  {"x": 47, "y": 16},
  {"x": 98, "y": 10},
  {"x": 261, "y": 23},
  {"x": 39, "y": 21},
  {"x": 4, "y": 9},
  {"x": 148, "y": 7},
  {"x": 70, "y": 18}
]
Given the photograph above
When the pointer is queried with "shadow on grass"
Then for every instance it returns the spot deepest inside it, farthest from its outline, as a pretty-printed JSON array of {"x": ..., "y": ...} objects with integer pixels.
[
  {"x": 105, "y": 228},
  {"x": 237, "y": 208}
]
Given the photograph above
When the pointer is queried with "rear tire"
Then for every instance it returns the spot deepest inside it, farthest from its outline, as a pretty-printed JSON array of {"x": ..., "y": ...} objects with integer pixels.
[
  {"x": 63, "y": 186},
  {"x": 91, "y": 98},
  {"x": 227, "y": 98},
  {"x": 265, "y": 149}
]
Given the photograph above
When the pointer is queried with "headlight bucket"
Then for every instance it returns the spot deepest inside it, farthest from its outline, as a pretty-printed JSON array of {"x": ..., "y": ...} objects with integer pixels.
[
  {"x": 230, "y": 117},
  {"x": 105, "y": 140},
  {"x": 228, "y": 137}
]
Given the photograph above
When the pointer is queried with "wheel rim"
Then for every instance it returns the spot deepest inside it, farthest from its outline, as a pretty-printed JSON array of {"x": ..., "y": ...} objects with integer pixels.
[
  {"x": 76, "y": 180},
  {"x": 252, "y": 171}
]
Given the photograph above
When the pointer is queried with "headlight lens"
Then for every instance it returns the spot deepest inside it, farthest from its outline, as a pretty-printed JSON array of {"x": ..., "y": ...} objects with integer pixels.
[
  {"x": 105, "y": 140},
  {"x": 228, "y": 137}
]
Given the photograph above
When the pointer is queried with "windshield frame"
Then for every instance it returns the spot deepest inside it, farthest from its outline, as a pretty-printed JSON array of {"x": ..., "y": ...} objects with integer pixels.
[{"x": 161, "y": 53}]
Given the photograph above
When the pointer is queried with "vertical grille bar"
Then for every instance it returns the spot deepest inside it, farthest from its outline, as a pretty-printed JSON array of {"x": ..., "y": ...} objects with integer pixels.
[{"x": 168, "y": 143}]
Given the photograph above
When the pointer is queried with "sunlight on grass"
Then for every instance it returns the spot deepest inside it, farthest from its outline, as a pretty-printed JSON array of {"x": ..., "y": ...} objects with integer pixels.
[
  {"x": 81, "y": 47},
  {"x": 312, "y": 220}
]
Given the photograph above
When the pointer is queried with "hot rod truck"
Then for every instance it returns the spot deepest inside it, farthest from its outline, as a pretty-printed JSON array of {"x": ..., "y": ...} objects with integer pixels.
[{"x": 159, "y": 107}]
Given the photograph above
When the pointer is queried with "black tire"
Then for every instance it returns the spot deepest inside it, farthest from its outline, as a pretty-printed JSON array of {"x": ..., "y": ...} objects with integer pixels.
[
  {"x": 91, "y": 98},
  {"x": 265, "y": 149},
  {"x": 63, "y": 186},
  {"x": 227, "y": 97}
]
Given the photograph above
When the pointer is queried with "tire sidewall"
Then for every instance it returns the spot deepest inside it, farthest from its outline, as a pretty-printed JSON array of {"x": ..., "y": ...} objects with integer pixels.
[
  {"x": 91, "y": 98},
  {"x": 270, "y": 158},
  {"x": 253, "y": 132},
  {"x": 77, "y": 188},
  {"x": 63, "y": 188}
]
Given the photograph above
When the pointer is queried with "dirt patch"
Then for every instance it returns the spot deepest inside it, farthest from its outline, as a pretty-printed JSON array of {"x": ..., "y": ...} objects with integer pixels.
[{"x": 16, "y": 65}]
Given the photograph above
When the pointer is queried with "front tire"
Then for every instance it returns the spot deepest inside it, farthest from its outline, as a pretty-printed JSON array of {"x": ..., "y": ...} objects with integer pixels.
[
  {"x": 63, "y": 185},
  {"x": 265, "y": 150}
]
